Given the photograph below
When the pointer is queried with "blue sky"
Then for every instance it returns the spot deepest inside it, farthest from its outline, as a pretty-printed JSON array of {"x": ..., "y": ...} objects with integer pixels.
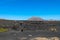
[{"x": 24, "y": 9}]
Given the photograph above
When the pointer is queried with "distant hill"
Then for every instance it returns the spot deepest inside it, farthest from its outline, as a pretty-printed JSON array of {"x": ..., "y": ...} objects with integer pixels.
[{"x": 35, "y": 19}]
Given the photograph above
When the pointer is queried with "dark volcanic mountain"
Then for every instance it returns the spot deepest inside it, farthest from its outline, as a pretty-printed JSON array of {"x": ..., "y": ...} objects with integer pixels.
[{"x": 7, "y": 23}]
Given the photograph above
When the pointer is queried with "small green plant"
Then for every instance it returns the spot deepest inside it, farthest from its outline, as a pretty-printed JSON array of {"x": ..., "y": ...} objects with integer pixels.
[{"x": 3, "y": 29}]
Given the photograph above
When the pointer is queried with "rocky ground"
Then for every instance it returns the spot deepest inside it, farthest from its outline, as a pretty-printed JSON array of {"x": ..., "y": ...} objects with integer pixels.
[{"x": 27, "y": 35}]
